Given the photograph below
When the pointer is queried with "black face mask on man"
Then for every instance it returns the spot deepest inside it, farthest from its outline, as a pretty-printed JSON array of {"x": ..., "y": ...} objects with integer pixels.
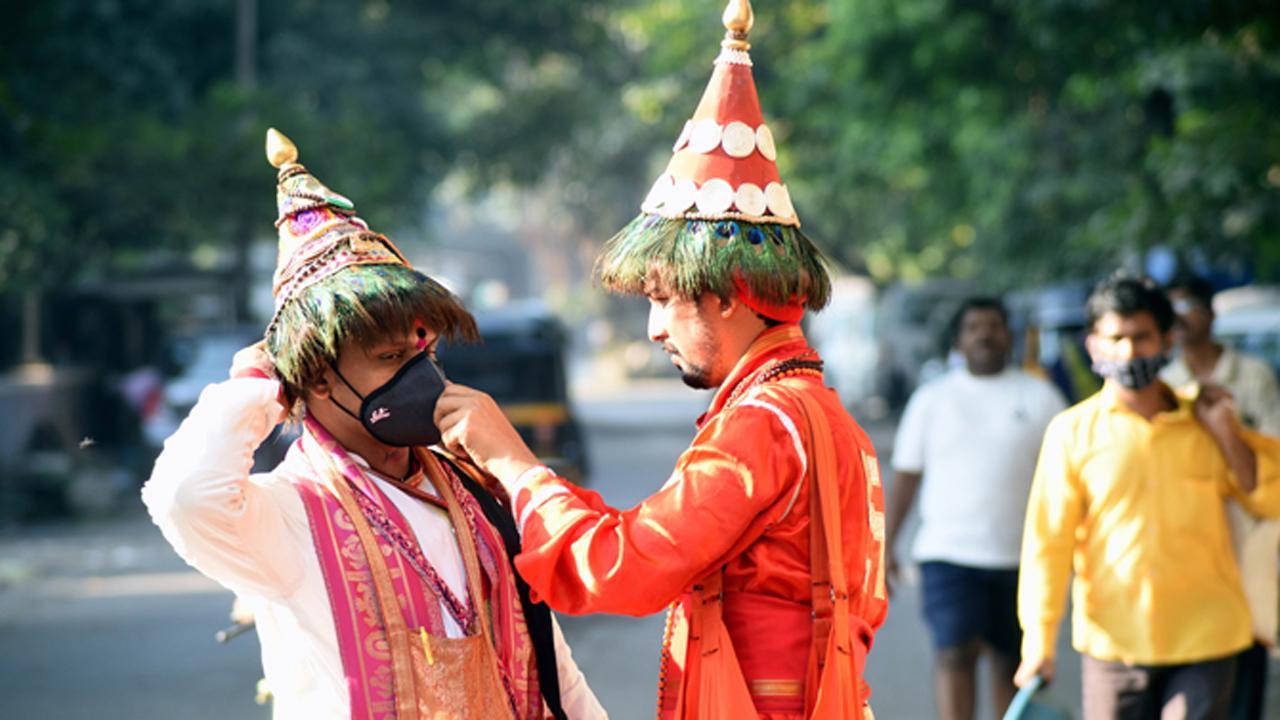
[
  {"x": 1133, "y": 374},
  {"x": 401, "y": 411}
]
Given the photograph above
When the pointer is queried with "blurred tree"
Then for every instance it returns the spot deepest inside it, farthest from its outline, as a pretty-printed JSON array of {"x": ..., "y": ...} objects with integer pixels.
[
  {"x": 1013, "y": 140},
  {"x": 128, "y": 128}
]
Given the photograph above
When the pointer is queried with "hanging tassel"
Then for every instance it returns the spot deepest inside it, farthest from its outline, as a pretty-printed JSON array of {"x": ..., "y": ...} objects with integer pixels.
[{"x": 426, "y": 646}]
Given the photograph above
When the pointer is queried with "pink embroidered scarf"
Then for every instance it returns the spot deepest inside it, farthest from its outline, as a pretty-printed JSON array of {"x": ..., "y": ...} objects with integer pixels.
[{"x": 362, "y": 641}]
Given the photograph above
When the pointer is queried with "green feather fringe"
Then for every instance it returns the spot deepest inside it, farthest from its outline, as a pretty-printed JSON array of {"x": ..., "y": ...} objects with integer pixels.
[
  {"x": 364, "y": 305},
  {"x": 777, "y": 262}
]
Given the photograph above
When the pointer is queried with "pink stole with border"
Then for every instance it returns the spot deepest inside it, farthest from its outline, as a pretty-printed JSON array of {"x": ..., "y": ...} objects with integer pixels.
[{"x": 362, "y": 641}]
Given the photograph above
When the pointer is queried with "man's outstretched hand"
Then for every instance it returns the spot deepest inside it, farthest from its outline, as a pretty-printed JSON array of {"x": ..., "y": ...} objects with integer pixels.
[{"x": 471, "y": 424}]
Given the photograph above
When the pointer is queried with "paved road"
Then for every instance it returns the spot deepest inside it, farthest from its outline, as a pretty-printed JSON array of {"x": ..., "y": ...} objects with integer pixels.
[{"x": 103, "y": 621}]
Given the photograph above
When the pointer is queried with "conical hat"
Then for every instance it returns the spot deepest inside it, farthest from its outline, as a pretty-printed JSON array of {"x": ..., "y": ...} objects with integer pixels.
[
  {"x": 719, "y": 219},
  {"x": 724, "y": 163},
  {"x": 319, "y": 231}
]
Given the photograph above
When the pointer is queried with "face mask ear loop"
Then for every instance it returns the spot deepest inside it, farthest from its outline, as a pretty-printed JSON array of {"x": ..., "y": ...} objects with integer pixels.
[{"x": 334, "y": 400}]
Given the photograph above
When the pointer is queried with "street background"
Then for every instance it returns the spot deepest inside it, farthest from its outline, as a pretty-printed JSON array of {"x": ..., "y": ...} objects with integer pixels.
[
  {"x": 104, "y": 620},
  {"x": 934, "y": 149}
]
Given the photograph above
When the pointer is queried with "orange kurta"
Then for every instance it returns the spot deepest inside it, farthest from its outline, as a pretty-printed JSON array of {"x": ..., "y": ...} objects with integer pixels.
[{"x": 735, "y": 501}]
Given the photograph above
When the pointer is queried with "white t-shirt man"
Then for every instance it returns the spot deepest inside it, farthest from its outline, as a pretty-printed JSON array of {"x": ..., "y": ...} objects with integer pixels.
[{"x": 975, "y": 440}]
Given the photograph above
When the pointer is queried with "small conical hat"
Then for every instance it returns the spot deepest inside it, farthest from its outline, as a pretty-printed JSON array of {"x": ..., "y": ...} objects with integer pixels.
[
  {"x": 319, "y": 231},
  {"x": 724, "y": 163}
]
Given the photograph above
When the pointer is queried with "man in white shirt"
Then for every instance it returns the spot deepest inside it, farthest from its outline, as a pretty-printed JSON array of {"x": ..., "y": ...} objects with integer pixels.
[
  {"x": 378, "y": 570},
  {"x": 967, "y": 443},
  {"x": 1252, "y": 384}
]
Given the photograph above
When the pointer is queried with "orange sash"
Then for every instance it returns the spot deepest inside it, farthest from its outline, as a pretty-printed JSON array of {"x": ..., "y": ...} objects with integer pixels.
[{"x": 713, "y": 686}]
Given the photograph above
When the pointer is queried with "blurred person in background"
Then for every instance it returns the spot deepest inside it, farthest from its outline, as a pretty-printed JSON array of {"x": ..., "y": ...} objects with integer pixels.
[
  {"x": 378, "y": 570},
  {"x": 1128, "y": 493},
  {"x": 766, "y": 540},
  {"x": 1200, "y": 363},
  {"x": 967, "y": 444}
]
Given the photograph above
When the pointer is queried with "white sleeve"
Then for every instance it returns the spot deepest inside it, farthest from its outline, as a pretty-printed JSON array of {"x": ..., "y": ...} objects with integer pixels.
[
  {"x": 224, "y": 523},
  {"x": 1267, "y": 400},
  {"x": 908, "y": 443},
  {"x": 576, "y": 698}
]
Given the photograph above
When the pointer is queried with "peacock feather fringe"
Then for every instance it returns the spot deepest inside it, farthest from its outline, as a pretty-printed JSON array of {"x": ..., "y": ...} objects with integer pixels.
[
  {"x": 363, "y": 304},
  {"x": 777, "y": 262}
]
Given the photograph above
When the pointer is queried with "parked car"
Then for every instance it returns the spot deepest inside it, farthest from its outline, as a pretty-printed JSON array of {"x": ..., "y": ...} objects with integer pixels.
[
  {"x": 844, "y": 334},
  {"x": 521, "y": 364},
  {"x": 911, "y": 325},
  {"x": 1048, "y": 325},
  {"x": 1248, "y": 319},
  {"x": 202, "y": 359}
]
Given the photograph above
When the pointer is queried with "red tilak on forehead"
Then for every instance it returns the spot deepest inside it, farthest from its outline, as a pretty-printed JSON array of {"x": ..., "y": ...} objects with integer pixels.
[{"x": 420, "y": 329}]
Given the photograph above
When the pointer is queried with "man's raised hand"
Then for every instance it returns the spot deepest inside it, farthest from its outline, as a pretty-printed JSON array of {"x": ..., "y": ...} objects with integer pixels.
[{"x": 471, "y": 424}]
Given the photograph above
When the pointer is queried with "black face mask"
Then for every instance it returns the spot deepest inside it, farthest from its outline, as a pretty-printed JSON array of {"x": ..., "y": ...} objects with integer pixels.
[
  {"x": 1133, "y": 374},
  {"x": 401, "y": 411}
]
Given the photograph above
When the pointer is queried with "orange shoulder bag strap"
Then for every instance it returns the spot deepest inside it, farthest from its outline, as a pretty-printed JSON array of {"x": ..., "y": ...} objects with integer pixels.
[{"x": 833, "y": 682}]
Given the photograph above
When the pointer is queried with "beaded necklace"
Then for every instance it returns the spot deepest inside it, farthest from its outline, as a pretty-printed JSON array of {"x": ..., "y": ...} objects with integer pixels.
[
  {"x": 807, "y": 364},
  {"x": 462, "y": 613}
]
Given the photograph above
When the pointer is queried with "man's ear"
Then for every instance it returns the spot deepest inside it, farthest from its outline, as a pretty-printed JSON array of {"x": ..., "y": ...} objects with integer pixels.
[
  {"x": 730, "y": 304},
  {"x": 321, "y": 388},
  {"x": 1091, "y": 346}
]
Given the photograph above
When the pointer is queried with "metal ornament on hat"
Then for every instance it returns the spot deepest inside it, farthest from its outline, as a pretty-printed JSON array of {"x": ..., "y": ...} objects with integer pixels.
[
  {"x": 319, "y": 231},
  {"x": 723, "y": 164}
]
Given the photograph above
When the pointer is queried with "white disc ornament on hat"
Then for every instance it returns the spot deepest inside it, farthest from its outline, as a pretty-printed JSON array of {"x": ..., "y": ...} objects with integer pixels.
[
  {"x": 684, "y": 136},
  {"x": 778, "y": 200},
  {"x": 681, "y": 197},
  {"x": 764, "y": 141},
  {"x": 738, "y": 139},
  {"x": 658, "y": 193},
  {"x": 705, "y": 136},
  {"x": 714, "y": 172},
  {"x": 715, "y": 197},
  {"x": 750, "y": 199}
]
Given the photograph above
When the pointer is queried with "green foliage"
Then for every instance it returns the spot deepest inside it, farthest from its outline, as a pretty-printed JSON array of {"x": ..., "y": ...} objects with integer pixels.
[
  {"x": 1010, "y": 140},
  {"x": 125, "y": 131},
  {"x": 1015, "y": 140}
]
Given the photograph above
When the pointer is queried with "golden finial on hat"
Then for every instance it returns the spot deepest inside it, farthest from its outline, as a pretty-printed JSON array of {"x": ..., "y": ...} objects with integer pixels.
[
  {"x": 737, "y": 19},
  {"x": 281, "y": 152}
]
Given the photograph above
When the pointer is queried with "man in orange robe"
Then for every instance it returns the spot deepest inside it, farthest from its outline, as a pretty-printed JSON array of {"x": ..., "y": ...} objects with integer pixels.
[{"x": 727, "y": 540}]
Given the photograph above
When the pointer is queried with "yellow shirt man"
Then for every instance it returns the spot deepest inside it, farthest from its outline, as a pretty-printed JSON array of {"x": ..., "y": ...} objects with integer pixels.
[
  {"x": 1130, "y": 493},
  {"x": 1135, "y": 508}
]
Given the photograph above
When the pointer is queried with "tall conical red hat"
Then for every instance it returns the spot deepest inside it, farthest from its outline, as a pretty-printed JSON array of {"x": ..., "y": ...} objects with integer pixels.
[
  {"x": 724, "y": 163},
  {"x": 719, "y": 219}
]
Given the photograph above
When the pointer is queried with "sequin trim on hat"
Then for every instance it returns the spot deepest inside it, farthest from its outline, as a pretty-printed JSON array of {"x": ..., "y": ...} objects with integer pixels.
[
  {"x": 716, "y": 198},
  {"x": 737, "y": 139}
]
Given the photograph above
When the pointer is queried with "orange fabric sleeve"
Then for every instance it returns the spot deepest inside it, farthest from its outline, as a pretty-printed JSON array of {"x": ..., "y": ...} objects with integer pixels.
[{"x": 582, "y": 556}]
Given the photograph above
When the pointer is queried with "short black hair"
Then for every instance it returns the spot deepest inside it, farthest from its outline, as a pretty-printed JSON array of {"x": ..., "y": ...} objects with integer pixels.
[
  {"x": 1195, "y": 286},
  {"x": 1126, "y": 294},
  {"x": 979, "y": 302}
]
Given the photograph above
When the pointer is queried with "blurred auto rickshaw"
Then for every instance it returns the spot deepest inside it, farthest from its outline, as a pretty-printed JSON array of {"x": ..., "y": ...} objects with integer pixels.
[{"x": 521, "y": 364}]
